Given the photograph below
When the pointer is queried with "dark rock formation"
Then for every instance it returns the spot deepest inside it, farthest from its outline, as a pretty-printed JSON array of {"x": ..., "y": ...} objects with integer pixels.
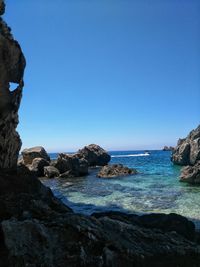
[
  {"x": 70, "y": 165},
  {"x": 187, "y": 151},
  {"x": 191, "y": 174},
  {"x": 12, "y": 64},
  {"x": 95, "y": 155},
  {"x": 37, "y": 166},
  {"x": 168, "y": 148},
  {"x": 51, "y": 172},
  {"x": 115, "y": 170},
  {"x": 29, "y": 154}
]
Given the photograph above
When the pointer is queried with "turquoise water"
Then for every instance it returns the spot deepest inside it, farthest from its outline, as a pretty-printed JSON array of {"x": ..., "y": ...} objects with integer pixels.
[{"x": 155, "y": 189}]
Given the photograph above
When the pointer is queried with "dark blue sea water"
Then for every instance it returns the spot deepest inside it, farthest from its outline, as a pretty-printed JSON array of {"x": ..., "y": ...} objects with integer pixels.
[{"x": 155, "y": 189}]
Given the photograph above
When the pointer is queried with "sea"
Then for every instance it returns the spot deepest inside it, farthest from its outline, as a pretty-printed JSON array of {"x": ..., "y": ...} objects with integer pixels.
[{"x": 155, "y": 189}]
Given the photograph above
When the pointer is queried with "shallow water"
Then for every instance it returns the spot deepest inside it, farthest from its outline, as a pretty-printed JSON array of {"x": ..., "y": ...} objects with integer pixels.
[{"x": 155, "y": 189}]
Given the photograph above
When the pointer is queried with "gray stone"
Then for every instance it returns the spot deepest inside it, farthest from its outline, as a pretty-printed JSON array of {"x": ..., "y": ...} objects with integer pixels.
[
  {"x": 70, "y": 165},
  {"x": 95, "y": 155},
  {"x": 187, "y": 151},
  {"x": 29, "y": 154},
  {"x": 191, "y": 174},
  {"x": 115, "y": 170},
  {"x": 195, "y": 151},
  {"x": 51, "y": 172},
  {"x": 181, "y": 155}
]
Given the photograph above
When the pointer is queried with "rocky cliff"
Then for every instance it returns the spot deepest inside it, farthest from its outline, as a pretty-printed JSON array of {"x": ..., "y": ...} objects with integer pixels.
[
  {"x": 12, "y": 64},
  {"x": 187, "y": 153},
  {"x": 37, "y": 230}
]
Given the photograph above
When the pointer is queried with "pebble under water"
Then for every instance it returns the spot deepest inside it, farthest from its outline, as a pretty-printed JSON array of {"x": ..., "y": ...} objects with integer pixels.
[{"x": 155, "y": 189}]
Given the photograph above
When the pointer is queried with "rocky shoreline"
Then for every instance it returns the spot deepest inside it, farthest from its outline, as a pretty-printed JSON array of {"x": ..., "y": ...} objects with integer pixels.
[{"x": 37, "y": 230}]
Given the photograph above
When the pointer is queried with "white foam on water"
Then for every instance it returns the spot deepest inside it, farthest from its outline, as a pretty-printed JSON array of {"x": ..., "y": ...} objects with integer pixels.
[{"x": 130, "y": 155}]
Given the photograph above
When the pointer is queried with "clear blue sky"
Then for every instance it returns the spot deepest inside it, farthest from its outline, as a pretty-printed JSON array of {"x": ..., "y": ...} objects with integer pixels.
[{"x": 121, "y": 73}]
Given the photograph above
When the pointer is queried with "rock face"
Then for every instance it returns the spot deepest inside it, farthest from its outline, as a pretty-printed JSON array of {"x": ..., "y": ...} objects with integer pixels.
[
  {"x": 70, "y": 165},
  {"x": 115, "y": 170},
  {"x": 30, "y": 154},
  {"x": 12, "y": 64},
  {"x": 187, "y": 151},
  {"x": 191, "y": 174},
  {"x": 95, "y": 155}
]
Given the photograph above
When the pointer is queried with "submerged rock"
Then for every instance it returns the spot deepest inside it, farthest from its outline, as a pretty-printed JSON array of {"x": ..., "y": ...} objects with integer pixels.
[
  {"x": 115, "y": 170},
  {"x": 95, "y": 155},
  {"x": 29, "y": 154}
]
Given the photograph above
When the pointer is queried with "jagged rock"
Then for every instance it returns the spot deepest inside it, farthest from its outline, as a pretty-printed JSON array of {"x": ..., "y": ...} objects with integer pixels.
[
  {"x": 187, "y": 151},
  {"x": 191, "y": 174},
  {"x": 95, "y": 155},
  {"x": 29, "y": 154},
  {"x": 51, "y": 172},
  {"x": 12, "y": 64},
  {"x": 37, "y": 166},
  {"x": 195, "y": 151},
  {"x": 181, "y": 154},
  {"x": 70, "y": 165},
  {"x": 115, "y": 170}
]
